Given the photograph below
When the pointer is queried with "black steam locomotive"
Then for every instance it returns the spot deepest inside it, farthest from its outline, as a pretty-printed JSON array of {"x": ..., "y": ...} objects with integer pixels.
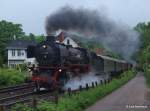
[{"x": 58, "y": 63}]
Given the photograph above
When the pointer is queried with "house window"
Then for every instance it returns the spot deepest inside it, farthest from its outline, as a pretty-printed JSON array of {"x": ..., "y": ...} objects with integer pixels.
[
  {"x": 22, "y": 53},
  {"x": 19, "y": 52},
  {"x": 68, "y": 41},
  {"x": 13, "y": 52}
]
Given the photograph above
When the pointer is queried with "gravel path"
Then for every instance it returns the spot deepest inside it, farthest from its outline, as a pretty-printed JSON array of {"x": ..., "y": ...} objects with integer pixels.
[{"x": 133, "y": 96}]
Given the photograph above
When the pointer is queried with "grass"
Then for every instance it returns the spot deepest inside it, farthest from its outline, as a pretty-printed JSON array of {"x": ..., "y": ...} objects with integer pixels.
[
  {"x": 84, "y": 99},
  {"x": 10, "y": 77},
  {"x": 147, "y": 75}
]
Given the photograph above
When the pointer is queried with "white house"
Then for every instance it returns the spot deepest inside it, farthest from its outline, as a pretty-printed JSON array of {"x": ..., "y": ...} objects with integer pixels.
[
  {"x": 65, "y": 39},
  {"x": 17, "y": 52},
  {"x": 69, "y": 41}
]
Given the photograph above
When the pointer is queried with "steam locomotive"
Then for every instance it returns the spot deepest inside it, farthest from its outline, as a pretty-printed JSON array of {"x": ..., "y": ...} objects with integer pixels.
[{"x": 58, "y": 63}]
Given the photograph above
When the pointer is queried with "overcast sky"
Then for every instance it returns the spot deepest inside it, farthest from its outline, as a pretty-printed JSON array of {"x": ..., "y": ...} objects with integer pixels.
[{"x": 32, "y": 13}]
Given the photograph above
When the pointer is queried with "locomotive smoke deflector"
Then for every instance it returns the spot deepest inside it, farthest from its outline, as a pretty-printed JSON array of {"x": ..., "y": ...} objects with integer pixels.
[{"x": 31, "y": 51}]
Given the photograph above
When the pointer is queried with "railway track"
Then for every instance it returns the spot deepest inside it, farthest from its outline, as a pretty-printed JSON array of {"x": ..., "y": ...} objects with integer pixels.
[
  {"x": 26, "y": 98},
  {"x": 14, "y": 94},
  {"x": 2, "y": 90},
  {"x": 21, "y": 94},
  {"x": 16, "y": 90}
]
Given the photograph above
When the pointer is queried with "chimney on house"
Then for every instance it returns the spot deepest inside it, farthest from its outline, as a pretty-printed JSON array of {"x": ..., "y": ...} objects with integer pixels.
[{"x": 61, "y": 37}]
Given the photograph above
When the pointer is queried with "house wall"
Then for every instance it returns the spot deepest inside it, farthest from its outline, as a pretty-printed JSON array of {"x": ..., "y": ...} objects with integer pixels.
[
  {"x": 71, "y": 42},
  {"x": 18, "y": 54},
  {"x": 20, "y": 57},
  {"x": 13, "y": 63}
]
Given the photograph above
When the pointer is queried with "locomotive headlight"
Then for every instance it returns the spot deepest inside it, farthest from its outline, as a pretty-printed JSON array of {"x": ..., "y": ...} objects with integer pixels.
[
  {"x": 44, "y": 46},
  {"x": 60, "y": 70},
  {"x": 29, "y": 70}
]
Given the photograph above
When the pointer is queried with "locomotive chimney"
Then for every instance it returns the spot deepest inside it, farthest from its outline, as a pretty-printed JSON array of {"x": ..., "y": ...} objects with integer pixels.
[{"x": 50, "y": 38}]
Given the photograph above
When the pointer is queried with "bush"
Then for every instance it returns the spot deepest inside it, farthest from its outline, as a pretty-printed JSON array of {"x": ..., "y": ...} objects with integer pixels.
[
  {"x": 21, "y": 67},
  {"x": 9, "y": 77}
]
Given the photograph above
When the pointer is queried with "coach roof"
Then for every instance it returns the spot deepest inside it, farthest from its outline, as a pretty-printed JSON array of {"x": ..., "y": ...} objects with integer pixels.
[{"x": 111, "y": 59}]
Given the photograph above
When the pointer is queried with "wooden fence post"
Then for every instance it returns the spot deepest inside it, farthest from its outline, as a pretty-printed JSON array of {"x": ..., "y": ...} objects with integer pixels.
[
  {"x": 80, "y": 88},
  {"x": 34, "y": 103},
  {"x": 69, "y": 91},
  {"x": 109, "y": 80},
  {"x": 101, "y": 82},
  {"x": 92, "y": 84},
  {"x": 87, "y": 86},
  {"x": 95, "y": 83},
  {"x": 105, "y": 81},
  {"x": 56, "y": 99}
]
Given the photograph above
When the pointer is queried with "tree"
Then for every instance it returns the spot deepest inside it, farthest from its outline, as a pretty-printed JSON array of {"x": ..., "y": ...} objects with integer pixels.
[
  {"x": 8, "y": 31},
  {"x": 144, "y": 30},
  {"x": 39, "y": 38},
  {"x": 32, "y": 37},
  {"x": 144, "y": 54}
]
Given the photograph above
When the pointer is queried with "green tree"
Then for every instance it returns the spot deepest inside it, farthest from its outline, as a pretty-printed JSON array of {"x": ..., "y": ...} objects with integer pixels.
[
  {"x": 32, "y": 37},
  {"x": 144, "y": 54},
  {"x": 39, "y": 38},
  {"x": 8, "y": 31},
  {"x": 144, "y": 30}
]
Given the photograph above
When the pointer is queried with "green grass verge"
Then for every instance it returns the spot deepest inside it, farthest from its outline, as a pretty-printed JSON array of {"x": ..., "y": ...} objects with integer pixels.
[
  {"x": 84, "y": 99},
  {"x": 147, "y": 75}
]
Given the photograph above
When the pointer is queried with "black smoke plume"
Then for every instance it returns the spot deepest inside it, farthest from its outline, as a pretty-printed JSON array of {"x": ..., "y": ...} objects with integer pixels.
[{"x": 90, "y": 23}]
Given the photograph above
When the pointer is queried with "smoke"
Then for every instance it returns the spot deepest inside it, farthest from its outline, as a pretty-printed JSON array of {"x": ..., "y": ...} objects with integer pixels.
[
  {"x": 91, "y": 23},
  {"x": 75, "y": 82}
]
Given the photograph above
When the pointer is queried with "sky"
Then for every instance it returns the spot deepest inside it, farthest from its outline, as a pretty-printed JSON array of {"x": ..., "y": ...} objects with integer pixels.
[{"x": 32, "y": 13}]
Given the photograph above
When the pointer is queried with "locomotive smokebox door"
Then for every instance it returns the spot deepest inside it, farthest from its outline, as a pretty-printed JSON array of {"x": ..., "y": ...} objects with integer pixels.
[{"x": 31, "y": 51}]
